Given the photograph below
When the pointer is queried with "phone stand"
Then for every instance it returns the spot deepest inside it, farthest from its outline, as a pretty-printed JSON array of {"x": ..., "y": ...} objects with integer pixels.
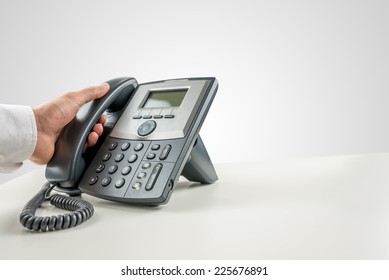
[{"x": 199, "y": 167}]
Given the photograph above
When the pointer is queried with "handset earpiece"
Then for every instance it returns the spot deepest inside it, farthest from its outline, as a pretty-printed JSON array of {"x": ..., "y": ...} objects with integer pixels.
[{"x": 67, "y": 165}]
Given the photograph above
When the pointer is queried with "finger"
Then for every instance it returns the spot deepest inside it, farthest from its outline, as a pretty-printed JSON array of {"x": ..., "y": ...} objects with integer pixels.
[
  {"x": 98, "y": 128},
  {"x": 88, "y": 94},
  {"x": 92, "y": 139},
  {"x": 84, "y": 148},
  {"x": 102, "y": 119}
]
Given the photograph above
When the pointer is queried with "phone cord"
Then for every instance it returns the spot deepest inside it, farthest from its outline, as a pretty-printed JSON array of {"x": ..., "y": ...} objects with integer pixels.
[{"x": 81, "y": 211}]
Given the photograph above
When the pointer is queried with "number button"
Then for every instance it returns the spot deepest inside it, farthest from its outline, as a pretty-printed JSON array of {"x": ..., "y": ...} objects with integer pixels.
[
  {"x": 119, "y": 157},
  {"x": 113, "y": 146},
  {"x": 106, "y": 157},
  {"x": 100, "y": 168},
  {"x": 93, "y": 180},
  {"x": 126, "y": 170},
  {"x": 106, "y": 181},
  {"x": 125, "y": 146},
  {"x": 120, "y": 183},
  {"x": 138, "y": 147},
  {"x": 132, "y": 158},
  {"x": 112, "y": 169}
]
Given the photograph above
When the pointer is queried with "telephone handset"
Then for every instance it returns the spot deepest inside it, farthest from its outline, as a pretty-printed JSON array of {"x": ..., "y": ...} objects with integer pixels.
[
  {"x": 68, "y": 163},
  {"x": 151, "y": 138}
]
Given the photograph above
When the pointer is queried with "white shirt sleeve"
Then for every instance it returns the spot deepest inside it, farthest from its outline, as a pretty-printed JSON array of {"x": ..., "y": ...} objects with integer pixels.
[{"x": 18, "y": 136}]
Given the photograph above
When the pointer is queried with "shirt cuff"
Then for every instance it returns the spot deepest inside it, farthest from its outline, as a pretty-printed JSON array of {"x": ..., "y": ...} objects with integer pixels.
[{"x": 19, "y": 135}]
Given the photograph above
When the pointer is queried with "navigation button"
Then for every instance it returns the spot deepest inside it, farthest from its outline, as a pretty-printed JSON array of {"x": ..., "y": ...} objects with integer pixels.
[{"x": 147, "y": 128}]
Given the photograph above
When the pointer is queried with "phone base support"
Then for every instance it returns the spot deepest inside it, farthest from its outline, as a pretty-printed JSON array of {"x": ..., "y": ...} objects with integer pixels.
[{"x": 199, "y": 167}]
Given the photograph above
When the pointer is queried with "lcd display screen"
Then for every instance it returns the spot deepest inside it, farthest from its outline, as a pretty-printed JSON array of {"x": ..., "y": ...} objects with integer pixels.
[{"x": 165, "y": 99}]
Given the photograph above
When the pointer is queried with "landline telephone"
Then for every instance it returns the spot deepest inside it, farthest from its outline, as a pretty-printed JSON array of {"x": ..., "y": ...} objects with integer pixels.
[{"x": 151, "y": 138}]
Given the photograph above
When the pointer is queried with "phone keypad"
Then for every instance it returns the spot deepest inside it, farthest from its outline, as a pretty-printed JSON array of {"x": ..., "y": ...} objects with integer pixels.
[
  {"x": 125, "y": 169},
  {"x": 114, "y": 157}
]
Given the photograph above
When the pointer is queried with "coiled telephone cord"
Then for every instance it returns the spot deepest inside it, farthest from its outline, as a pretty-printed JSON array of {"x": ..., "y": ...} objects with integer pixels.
[{"x": 81, "y": 211}]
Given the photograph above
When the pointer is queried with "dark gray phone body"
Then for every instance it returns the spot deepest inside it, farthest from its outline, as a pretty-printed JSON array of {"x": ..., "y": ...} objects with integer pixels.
[{"x": 151, "y": 139}]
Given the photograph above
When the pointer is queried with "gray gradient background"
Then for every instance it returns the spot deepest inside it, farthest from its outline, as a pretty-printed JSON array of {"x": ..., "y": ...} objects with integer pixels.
[{"x": 297, "y": 78}]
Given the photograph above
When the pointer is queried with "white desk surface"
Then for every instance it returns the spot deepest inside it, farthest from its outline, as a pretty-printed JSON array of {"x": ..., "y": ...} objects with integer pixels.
[{"x": 312, "y": 208}]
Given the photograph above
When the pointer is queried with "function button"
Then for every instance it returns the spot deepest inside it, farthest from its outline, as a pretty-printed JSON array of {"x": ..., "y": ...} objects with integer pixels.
[
  {"x": 158, "y": 116},
  {"x": 169, "y": 116},
  {"x": 147, "y": 128},
  {"x": 137, "y": 186},
  {"x": 113, "y": 146},
  {"x": 155, "y": 147},
  {"x": 126, "y": 170},
  {"x": 106, "y": 181},
  {"x": 138, "y": 147},
  {"x": 120, "y": 183},
  {"x": 137, "y": 117},
  {"x": 107, "y": 156},
  {"x": 146, "y": 165},
  {"x": 165, "y": 152},
  {"x": 151, "y": 156},
  {"x": 147, "y": 116},
  {"x": 93, "y": 180},
  {"x": 132, "y": 158},
  {"x": 119, "y": 157},
  {"x": 153, "y": 177},
  {"x": 112, "y": 169},
  {"x": 100, "y": 168},
  {"x": 141, "y": 175},
  {"x": 125, "y": 146}
]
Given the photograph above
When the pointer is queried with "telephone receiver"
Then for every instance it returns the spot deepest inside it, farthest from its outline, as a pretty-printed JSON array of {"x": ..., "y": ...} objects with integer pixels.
[
  {"x": 68, "y": 163},
  {"x": 151, "y": 138}
]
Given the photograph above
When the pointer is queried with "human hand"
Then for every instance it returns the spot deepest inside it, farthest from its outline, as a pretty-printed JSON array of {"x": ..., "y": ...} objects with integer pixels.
[{"x": 51, "y": 117}]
